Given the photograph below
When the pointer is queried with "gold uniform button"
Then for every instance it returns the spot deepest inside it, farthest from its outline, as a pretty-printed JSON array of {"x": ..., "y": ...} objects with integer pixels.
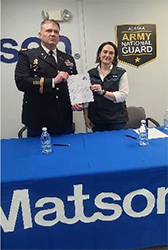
[
  {"x": 57, "y": 88},
  {"x": 56, "y": 97}
]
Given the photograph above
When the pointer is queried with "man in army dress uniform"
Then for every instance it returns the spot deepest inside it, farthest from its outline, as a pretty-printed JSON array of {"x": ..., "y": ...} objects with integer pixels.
[{"x": 41, "y": 73}]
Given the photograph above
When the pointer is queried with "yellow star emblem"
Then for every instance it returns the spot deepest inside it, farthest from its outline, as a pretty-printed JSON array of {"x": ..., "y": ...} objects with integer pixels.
[{"x": 137, "y": 59}]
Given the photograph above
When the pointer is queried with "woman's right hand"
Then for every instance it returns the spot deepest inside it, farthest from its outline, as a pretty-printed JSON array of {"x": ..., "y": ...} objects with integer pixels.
[{"x": 96, "y": 88}]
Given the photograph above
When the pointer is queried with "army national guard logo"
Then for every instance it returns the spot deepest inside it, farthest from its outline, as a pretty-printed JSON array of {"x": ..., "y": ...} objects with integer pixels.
[{"x": 136, "y": 43}]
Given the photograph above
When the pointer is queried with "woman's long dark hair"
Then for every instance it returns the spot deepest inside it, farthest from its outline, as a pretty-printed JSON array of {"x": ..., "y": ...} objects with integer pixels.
[{"x": 115, "y": 61}]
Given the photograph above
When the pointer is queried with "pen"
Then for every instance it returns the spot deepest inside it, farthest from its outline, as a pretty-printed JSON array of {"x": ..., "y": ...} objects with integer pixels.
[
  {"x": 60, "y": 144},
  {"x": 133, "y": 137}
]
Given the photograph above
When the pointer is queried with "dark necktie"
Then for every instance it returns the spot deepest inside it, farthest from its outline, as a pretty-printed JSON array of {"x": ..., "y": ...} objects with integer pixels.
[{"x": 52, "y": 59}]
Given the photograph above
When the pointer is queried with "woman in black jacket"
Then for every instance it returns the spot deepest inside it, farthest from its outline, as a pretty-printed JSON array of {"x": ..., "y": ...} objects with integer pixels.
[{"x": 109, "y": 84}]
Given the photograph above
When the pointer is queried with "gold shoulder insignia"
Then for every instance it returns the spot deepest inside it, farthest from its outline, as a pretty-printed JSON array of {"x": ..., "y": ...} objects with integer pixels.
[{"x": 24, "y": 49}]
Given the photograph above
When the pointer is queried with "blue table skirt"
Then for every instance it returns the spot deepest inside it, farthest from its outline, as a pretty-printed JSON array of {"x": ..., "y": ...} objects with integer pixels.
[{"x": 102, "y": 192}]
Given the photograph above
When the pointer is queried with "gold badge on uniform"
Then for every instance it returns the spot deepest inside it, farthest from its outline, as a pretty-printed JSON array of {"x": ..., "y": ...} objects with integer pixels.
[
  {"x": 24, "y": 49},
  {"x": 35, "y": 64}
]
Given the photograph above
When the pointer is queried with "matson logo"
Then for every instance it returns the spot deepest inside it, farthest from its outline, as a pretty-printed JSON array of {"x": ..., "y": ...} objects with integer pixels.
[
  {"x": 9, "y": 47},
  {"x": 21, "y": 200}
]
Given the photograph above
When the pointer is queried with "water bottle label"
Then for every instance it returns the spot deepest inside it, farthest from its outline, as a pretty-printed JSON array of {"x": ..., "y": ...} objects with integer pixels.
[
  {"x": 143, "y": 135},
  {"x": 166, "y": 124},
  {"x": 46, "y": 143}
]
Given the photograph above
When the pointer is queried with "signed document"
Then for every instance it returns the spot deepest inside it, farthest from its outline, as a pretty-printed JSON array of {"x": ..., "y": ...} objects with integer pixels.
[{"x": 79, "y": 88}]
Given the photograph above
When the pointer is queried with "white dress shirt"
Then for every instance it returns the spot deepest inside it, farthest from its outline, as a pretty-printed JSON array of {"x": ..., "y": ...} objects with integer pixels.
[
  {"x": 48, "y": 50},
  {"x": 120, "y": 95},
  {"x": 54, "y": 55}
]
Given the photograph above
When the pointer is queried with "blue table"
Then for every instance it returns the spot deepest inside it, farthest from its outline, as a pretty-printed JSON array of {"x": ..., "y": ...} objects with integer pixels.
[{"x": 103, "y": 192}]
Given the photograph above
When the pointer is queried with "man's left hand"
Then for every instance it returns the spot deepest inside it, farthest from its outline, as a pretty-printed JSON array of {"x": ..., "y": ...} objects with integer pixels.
[{"x": 77, "y": 107}]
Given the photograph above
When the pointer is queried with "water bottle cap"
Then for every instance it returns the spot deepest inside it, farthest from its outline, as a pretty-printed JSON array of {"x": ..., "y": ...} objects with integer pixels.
[
  {"x": 44, "y": 129},
  {"x": 143, "y": 121}
]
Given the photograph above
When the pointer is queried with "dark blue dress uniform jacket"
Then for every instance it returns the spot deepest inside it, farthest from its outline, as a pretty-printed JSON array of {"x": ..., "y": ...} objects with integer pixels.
[{"x": 51, "y": 108}]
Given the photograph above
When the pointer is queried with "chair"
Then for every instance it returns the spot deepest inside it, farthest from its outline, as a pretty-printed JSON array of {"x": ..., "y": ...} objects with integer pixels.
[
  {"x": 135, "y": 115},
  {"x": 23, "y": 131}
]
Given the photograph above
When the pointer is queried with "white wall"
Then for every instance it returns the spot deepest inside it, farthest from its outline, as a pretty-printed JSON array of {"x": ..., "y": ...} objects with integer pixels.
[
  {"x": 93, "y": 22},
  {"x": 149, "y": 83}
]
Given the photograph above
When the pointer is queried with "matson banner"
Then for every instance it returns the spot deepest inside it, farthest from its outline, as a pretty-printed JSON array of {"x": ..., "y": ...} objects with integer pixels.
[{"x": 137, "y": 43}]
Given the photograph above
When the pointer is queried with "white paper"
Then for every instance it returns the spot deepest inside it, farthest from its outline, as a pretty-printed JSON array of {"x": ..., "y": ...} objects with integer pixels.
[
  {"x": 79, "y": 88},
  {"x": 153, "y": 133}
]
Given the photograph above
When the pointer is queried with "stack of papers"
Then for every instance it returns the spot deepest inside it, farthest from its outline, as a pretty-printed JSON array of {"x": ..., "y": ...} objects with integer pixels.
[{"x": 153, "y": 133}]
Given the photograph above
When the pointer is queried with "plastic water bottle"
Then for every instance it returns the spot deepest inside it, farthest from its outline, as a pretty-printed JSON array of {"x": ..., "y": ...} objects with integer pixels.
[
  {"x": 166, "y": 120},
  {"x": 143, "y": 134},
  {"x": 45, "y": 141}
]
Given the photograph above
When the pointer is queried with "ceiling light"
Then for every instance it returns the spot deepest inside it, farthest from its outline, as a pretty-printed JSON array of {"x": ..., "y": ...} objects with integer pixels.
[{"x": 58, "y": 15}]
